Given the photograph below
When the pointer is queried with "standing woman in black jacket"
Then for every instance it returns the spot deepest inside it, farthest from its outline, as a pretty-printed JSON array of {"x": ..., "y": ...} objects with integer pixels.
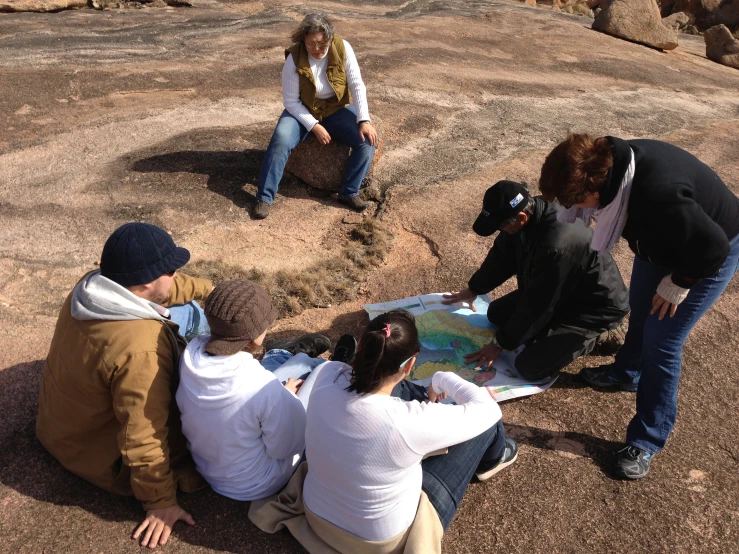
[{"x": 682, "y": 222}]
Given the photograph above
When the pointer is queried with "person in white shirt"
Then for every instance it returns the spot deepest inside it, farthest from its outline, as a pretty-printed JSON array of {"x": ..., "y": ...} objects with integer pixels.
[
  {"x": 245, "y": 430},
  {"x": 366, "y": 448},
  {"x": 323, "y": 93}
]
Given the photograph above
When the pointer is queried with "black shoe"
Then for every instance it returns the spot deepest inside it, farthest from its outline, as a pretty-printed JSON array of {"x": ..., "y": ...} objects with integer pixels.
[
  {"x": 313, "y": 345},
  {"x": 261, "y": 209},
  {"x": 486, "y": 470},
  {"x": 602, "y": 377},
  {"x": 344, "y": 349},
  {"x": 355, "y": 203},
  {"x": 631, "y": 463}
]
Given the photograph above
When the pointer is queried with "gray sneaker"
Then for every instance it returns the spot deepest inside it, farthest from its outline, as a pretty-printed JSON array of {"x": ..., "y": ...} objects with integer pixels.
[
  {"x": 632, "y": 463},
  {"x": 609, "y": 342},
  {"x": 510, "y": 455},
  {"x": 261, "y": 209}
]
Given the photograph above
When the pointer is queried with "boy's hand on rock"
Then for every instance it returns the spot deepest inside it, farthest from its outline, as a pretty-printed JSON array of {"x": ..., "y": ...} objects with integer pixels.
[{"x": 158, "y": 525}]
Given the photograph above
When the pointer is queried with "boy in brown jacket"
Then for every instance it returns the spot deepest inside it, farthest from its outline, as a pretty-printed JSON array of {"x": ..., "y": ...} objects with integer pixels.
[{"x": 106, "y": 405}]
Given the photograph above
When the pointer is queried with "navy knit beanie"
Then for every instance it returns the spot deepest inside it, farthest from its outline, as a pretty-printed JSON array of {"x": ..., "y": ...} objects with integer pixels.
[{"x": 139, "y": 253}]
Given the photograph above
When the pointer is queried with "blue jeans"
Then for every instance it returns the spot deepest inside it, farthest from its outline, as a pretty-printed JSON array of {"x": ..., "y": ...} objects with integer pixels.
[
  {"x": 652, "y": 350},
  {"x": 445, "y": 477},
  {"x": 341, "y": 125},
  {"x": 191, "y": 319},
  {"x": 285, "y": 366},
  {"x": 277, "y": 360}
]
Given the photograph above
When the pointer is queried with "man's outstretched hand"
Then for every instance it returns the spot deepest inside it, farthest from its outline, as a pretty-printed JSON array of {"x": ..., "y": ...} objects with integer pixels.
[
  {"x": 464, "y": 295},
  {"x": 158, "y": 525},
  {"x": 484, "y": 357}
]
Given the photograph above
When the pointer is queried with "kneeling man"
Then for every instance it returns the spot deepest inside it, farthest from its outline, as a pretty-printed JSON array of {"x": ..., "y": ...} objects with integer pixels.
[
  {"x": 106, "y": 405},
  {"x": 567, "y": 294}
]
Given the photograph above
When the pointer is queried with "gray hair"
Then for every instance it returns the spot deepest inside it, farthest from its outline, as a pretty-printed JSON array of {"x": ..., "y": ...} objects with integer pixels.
[
  {"x": 316, "y": 22},
  {"x": 528, "y": 207}
]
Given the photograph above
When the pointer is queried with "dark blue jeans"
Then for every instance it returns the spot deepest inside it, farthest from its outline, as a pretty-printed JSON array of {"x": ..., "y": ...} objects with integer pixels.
[
  {"x": 341, "y": 125},
  {"x": 445, "y": 477},
  {"x": 652, "y": 352}
]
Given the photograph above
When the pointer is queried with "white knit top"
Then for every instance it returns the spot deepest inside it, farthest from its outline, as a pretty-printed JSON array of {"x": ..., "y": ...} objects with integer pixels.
[
  {"x": 364, "y": 451},
  {"x": 291, "y": 87}
]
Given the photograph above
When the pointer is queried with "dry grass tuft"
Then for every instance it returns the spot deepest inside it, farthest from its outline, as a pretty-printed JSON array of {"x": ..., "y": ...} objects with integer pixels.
[{"x": 331, "y": 281}]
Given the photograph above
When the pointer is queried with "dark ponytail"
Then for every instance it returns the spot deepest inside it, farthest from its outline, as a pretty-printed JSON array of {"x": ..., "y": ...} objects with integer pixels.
[{"x": 378, "y": 355}]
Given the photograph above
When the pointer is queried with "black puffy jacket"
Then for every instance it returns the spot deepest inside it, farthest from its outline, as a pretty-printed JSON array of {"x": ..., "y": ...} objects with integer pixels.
[{"x": 562, "y": 280}]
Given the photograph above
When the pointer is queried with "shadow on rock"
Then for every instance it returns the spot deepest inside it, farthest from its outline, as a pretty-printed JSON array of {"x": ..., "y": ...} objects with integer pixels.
[
  {"x": 566, "y": 443},
  {"x": 27, "y": 468},
  {"x": 227, "y": 171}
]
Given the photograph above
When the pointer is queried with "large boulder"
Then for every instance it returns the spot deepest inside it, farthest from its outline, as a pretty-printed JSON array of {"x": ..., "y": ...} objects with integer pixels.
[
  {"x": 41, "y": 5},
  {"x": 705, "y": 13},
  {"x": 322, "y": 166},
  {"x": 676, "y": 21},
  {"x": 638, "y": 21},
  {"x": 721, "y": 46}
]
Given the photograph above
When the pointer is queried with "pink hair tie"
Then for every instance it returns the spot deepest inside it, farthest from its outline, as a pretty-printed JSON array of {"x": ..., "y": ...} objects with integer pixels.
[{"x": 387, "y": 331}]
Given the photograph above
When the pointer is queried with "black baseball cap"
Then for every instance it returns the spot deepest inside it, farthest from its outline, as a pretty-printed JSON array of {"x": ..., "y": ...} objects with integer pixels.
[{"x": 502, "y": 201}]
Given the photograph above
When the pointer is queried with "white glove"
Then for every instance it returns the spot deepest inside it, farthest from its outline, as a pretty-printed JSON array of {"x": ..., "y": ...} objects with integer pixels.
[{"x": 671, "y": 292}]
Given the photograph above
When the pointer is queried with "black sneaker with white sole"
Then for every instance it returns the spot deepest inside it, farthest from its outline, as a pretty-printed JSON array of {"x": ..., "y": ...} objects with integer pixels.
[
  {"x": 313, "y": 344},
  {"x": 487, "y": 469},
  {"x": 344, "y": 349}
]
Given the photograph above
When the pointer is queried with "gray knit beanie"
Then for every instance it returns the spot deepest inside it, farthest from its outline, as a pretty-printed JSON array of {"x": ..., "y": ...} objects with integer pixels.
[{"x": 238, "y": 312}]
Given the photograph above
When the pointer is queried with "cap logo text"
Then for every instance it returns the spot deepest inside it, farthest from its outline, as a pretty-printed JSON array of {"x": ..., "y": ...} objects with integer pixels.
[{"x": 516, "y": 201}]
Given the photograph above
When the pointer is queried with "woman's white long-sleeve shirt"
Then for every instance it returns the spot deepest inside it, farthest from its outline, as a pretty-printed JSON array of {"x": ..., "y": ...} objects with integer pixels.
[
  {"x": 365, "y": 451},
  {"x": 291, "y": 87}
]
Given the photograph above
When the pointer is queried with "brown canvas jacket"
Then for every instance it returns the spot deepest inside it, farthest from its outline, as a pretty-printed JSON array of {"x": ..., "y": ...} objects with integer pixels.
[{"x": 106, "y": 405}]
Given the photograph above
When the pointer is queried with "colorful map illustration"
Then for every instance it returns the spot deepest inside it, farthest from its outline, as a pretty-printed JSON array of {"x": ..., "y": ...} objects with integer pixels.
[{"x": 448, "y": 333}]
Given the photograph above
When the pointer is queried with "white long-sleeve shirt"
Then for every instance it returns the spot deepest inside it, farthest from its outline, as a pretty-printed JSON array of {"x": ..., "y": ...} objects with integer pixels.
[
  {"x": 245, "y": 431},
  {"x": 291, "y": 87},
  {"x": 365, "y": 451}
]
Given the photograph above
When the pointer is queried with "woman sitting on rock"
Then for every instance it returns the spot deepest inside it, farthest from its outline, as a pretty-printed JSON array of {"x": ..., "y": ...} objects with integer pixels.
[
  {"x": 682, "y": 222},
  {"x": 319, "y": 74}
]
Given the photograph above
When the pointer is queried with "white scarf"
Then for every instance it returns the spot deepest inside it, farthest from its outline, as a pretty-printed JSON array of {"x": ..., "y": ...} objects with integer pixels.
[{"x": 610, "y": 220}]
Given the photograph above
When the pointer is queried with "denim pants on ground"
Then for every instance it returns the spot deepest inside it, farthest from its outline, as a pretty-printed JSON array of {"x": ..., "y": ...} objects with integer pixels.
[
  {"x": 652, "y": 352},
  {"x": 342, "y": 126},
  {"x": 445, "y": 477},
  {"x": 285, "y": 366},
  {"x": 191, "y": 319}
]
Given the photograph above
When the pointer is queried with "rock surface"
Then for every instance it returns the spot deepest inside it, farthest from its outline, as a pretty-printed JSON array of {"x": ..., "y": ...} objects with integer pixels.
[
  {"x": 705, "y": 13},
  {"x": 41, "y": 5},
  {"x": 721, "y": 46},
  {"x": 676, "y": 21},
  {"x": 638, "y": 21},
  {"x": 164, "y": 116},
  {"x": 323, "y": 166}
]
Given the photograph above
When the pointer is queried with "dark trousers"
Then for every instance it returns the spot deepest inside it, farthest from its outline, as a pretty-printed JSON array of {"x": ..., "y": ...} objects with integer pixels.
[
  {"x": 445, "y": 477},
  {"x": 554, "y": 348}
]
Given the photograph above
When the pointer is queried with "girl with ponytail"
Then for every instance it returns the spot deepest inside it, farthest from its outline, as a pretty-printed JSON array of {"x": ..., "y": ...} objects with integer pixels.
[{"x": 369, "y": 430}]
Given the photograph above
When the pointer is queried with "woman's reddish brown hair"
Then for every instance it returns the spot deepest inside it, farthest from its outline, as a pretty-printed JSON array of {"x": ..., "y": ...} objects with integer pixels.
[{"x": 577, "y": 165}]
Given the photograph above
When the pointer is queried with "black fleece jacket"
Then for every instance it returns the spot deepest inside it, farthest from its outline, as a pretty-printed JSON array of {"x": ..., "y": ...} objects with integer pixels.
[
  {"x": 681, "y": 215},
  {"x": 562, "y": 280}
]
